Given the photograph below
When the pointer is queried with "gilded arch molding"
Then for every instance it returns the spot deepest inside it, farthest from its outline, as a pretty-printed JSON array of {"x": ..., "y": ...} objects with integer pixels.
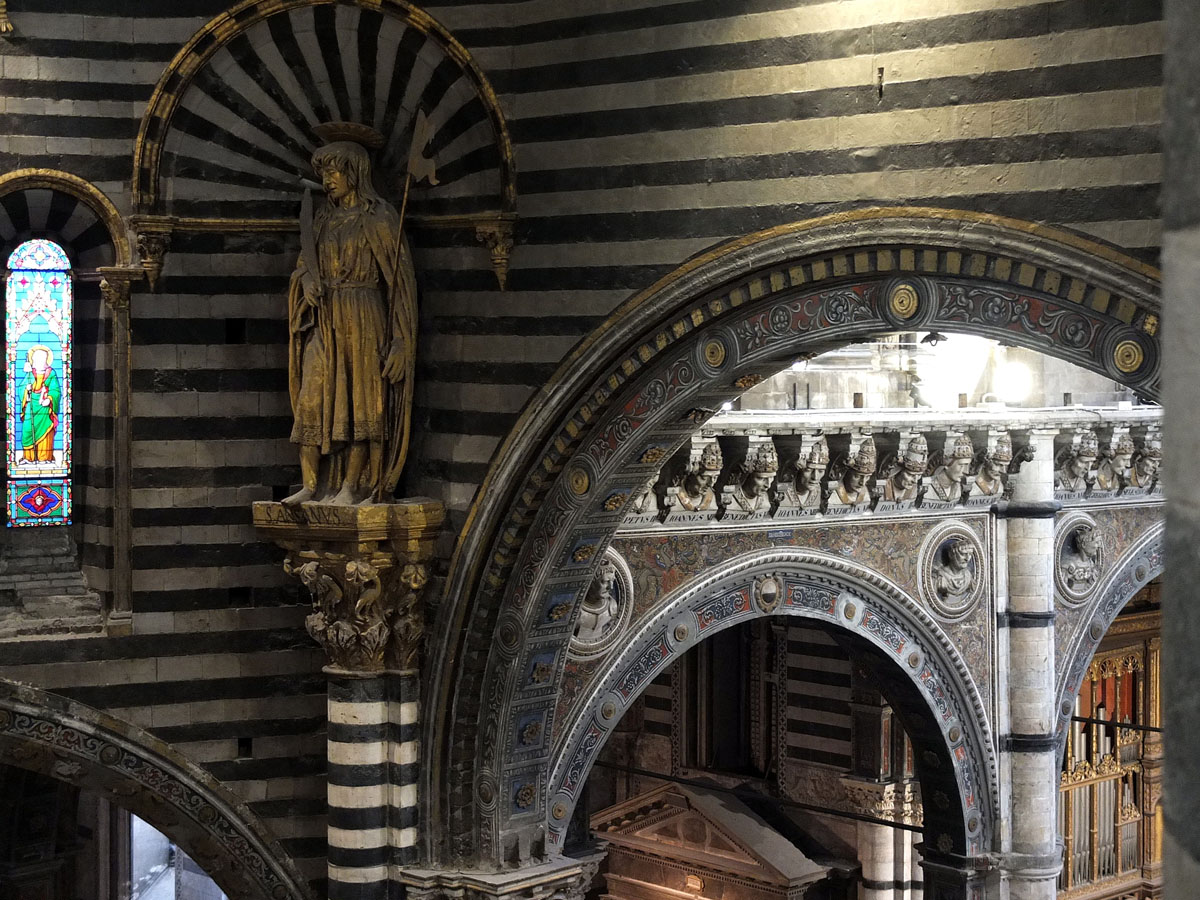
[
  {"x": 641, "y": 383},
  {"x": 956, "y": 755},
  {"x": 82, "y": 746},
  {"x": 83, "y": 191}
]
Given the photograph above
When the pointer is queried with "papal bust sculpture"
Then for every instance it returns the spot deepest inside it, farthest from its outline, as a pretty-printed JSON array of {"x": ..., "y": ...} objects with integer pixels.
[{"x": 352, "y": 324}]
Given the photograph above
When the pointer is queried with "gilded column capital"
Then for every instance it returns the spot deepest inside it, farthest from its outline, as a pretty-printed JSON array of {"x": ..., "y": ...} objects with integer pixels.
[
  {"x": 153, "y": 240},
  {"x": 497, "y": 236},
  {"x": 365, "y": 568},
  {"x": 115, "y": 283}
]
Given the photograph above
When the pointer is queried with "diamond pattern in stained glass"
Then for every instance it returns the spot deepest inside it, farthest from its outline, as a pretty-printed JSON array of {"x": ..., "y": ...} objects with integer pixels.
[{"x": 39, "y": 254}]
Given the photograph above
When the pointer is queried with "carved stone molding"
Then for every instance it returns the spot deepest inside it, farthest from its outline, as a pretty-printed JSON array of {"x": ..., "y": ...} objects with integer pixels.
[
  {"x": 498, "y": 238},
  {"x": 365, "y": 568},
  {"x": 565, "y": 879},
  {"x": 116, "y": 283},
  {"x": 153, "y": 241}
]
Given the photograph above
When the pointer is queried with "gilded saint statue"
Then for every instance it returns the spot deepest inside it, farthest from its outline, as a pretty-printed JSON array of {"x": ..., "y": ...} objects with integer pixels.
[{"x": 352, "y": 309}]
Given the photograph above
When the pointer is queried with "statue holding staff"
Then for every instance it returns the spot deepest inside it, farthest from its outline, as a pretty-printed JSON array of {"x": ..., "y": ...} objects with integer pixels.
[{"x": 352, "y": 329}]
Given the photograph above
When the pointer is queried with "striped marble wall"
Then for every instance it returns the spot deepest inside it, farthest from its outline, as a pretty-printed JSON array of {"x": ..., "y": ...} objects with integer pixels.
[
  {"x": 644, "y": 132},
  {"x": 818, "y": 699}
]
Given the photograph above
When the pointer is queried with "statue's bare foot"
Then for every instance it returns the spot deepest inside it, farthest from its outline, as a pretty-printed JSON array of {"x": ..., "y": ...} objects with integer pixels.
[
  {"x": 344, "y": 497},
  {"x": 301, "y": 496}
]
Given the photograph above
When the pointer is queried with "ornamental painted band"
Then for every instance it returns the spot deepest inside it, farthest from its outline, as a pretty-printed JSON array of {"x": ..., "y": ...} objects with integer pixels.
[{"x": 352, "y": 326}]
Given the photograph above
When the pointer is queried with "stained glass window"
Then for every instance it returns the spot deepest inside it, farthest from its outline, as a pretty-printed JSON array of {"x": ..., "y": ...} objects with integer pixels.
[{"x": 38, "y": 336}]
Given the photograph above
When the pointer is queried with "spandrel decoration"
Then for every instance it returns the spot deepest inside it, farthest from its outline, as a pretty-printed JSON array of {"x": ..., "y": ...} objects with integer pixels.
[{"x": 39, "y": 306}]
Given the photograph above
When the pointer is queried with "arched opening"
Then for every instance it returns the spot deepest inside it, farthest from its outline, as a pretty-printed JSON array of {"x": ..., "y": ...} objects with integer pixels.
[
  {"x": 57, "y": 323},
  {"x": 632, "y": 395},
  {"x": 72, "y": 744}
]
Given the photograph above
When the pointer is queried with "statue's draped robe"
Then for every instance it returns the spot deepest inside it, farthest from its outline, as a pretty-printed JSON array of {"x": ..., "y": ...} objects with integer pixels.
[
  {"x": 337, "y": 351},
  {"x": 39, "y": 421}
]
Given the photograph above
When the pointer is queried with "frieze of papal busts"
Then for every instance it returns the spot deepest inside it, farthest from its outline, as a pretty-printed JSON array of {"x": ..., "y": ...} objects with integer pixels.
[
  {"x": 751, "y": 493},
  {"x": 1143, "y": 471},
  {"x": 1074, "y": 475},
  {"x": 852, "y": 490},
  {"x": 990, "y": 479},
  {"x": 351, "y": 343},
  {"x": 1114, "y": 465},
  {"x": 804, "y": 491},
  {"x": 643, "y": 502},
  {"x": 694, "y": 493},
  {"x": 947, "y": 479},
  {"x": 905, "y": 479}
]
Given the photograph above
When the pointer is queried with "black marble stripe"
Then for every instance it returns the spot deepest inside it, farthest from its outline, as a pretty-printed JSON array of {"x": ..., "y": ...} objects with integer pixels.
[
  {"x": 325, "y": 18},
  {"x": 819, "y": 729},
  {"x": 808, "y": 648},
  {"x": 85, "y": 165},
  {"x": 148, "y": 517},
  {"x": 221, "y": 476},
  {"x": 841, "y": 760},
  {"x": 516, "y": 325},
  {"x": 1133, "y": 201},
  {"x": 224, "y": 94},
  {"x": 986, "y": 25},
  {"x": 77, "y": 90},
  {"x": 94, "y": 237},
  {"x": 148, "y": 646},
  {"x": 212, "y": 428},
  {"x": 293, "y": 57},
  {"x": 354, "y": 890},
  {"x": 800, "y": 700},
  {"x": 1029, "y": 743},
  {"x": 247, "y": 57},
  {"x": 165, "y": 381},
  {"x": 244, "y": 728},
  {"x": 411, "y": 42},
  {"x": 459, "y": 372},
  {"x": 1026, "y": 620},
  {"x": 354, "y": 819},
  {"x": 207, "y": 331},
  {"x": 197, "y": 126},
  {"x": 195, "y": 691},
  {"x": 62, "y": 207},
  {"x": 966, "y": 152},
  {"x": 19, "y": 44},
  {"x": 455, "y": 421},
  {"x": 17, "y": 208},
  {"x": 1104, "y": 75},
  {"x": 458, "y": 123},
  {"x": 201, "y": 556},
  {"x": 216, "y": 598},
  {"x": 367, "y": 37},
  {"x": 367, "y": 775},
  {"x": 103, "y": 127},
  {"x": 362, "y": 734},
  {"x": 288, "y": 807},
  {"x": 442, "y": 471},
  {"x": 817, "y": 676},
  {"x": 662, "y": 729},
  {"x": 272, "y": 767},
  {"x": 358, "y": 690}
]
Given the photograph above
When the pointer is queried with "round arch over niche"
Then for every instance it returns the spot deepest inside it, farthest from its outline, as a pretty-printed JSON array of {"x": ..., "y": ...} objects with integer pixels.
[
  {"x": 637, "y": 388},
  {"x": 232, "y": 120},
  {"x": 925, "y": 679},
  {"x": 72, "y": 212},
  {"x": 1138, "y": 566},
  {"x": 77, "y": 744}
]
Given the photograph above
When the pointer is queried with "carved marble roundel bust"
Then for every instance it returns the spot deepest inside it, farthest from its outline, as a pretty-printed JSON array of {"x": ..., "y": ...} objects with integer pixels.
[
  {"x": 952, "y": 570},
  {"x": 606, "y": 609}
]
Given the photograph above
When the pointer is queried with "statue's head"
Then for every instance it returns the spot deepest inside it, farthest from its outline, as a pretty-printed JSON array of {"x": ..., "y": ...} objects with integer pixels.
[
  {"x": 960, "y": 554},
  {"x": 345, "y": 170}
]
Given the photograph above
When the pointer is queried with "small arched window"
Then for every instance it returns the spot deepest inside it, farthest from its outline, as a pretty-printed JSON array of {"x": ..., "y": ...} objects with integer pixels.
[{"x": 38, "y": 334}]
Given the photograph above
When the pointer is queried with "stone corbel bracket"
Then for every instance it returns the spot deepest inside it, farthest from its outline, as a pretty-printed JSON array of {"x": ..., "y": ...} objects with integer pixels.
[
  {"x": 497, "y": 236},
  {"x": 365, "y": 568},
  {"x": 153, "y": 235}
]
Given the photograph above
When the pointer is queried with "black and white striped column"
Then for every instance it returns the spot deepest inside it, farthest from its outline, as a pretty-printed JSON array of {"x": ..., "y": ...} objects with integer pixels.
[
  {"x": 1033, "y": 858},
  {"x": 373, "y": 755}
]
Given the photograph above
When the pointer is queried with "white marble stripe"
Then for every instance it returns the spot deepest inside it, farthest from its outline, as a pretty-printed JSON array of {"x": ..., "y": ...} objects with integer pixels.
[
  {"x": 347, "y": 20},
  {"x": 346, "y": 754},
  {"x": 404, "y": 837},
  {"x": 358, "y": 839},
  {"x": 304, "y": 27},
  {"x": 1004, "y": 118},
  {"x": 407, "y": 712},
  {"x": 1092, "y": 45},
  {"x": 835, "y": 15},
  {"x": 403, "y": 795},
  {"x": 362, "y": 797},
  {"x": 1007, "y": 178},
  {"x": 406, "y": 753},
  {"x": 358, "y": 874},
  {"x": 374, "y": 713}
]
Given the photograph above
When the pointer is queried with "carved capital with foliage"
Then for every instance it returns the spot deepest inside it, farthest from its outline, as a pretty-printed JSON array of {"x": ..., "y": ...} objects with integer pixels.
[
  {"x": 153, "y": 241},
  {"x": 366, "y": 608}
]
